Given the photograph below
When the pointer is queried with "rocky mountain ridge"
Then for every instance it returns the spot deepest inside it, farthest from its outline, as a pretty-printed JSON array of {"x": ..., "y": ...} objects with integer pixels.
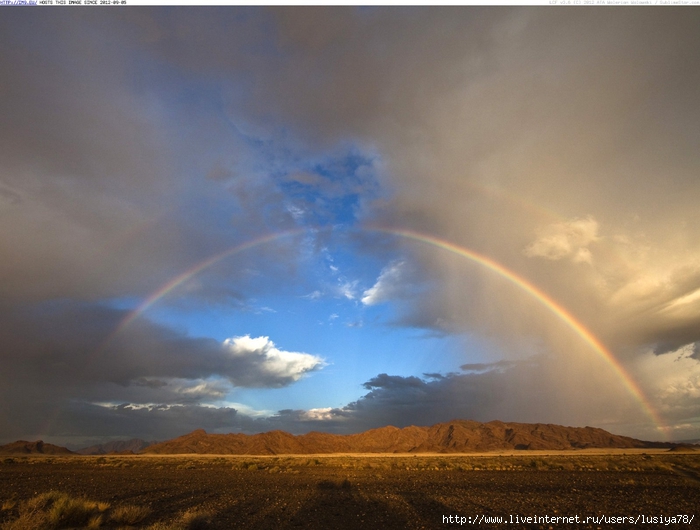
[
  {"x": 458, "y": 436},
  {"x": 22, "y": 447},
  {"x": 133, "y": 446}
]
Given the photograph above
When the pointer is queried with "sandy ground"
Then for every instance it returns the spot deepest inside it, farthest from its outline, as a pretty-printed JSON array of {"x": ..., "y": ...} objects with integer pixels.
[{"x": 374, "y": 491}]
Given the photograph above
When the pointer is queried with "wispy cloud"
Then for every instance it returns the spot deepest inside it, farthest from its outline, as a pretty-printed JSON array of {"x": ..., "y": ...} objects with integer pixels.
[{"x": 347, "y": 288}]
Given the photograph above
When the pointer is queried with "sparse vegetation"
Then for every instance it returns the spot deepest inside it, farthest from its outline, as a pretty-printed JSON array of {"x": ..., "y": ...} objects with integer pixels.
[
  {"x": 129, "y": 514},
  {"x": 56, "y": 510},
  {"x": 189, "y": 520},
  {"x": 198, "y": 492}
]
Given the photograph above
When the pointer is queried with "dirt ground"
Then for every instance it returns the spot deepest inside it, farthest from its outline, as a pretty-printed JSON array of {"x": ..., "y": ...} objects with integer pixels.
[{"x": 361, "y": 492}]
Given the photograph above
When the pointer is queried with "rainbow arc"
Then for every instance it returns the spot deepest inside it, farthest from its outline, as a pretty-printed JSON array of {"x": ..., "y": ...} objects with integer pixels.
[{"x": 554, "y": 307}]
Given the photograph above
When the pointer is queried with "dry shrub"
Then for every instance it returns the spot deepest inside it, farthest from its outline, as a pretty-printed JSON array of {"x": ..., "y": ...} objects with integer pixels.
[
  {"x": 95, "y": 522},
  {"x": 27, "y": 521},
  {"x": 129, "y": 514},
  {"x": 55, "y": 510},
  {"x": 195, "y": 520},
  {"x": 190, "y": 520}
]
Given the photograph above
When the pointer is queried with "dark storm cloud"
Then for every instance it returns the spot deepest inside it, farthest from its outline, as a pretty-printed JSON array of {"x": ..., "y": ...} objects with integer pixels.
[
  {"x": 79, "y": 424},
  {"x": 404, "y": 401},
  {"x": 55, "y": 357},
  {"x": 64, "y": 345},
  {"x": 103, "y": 172},
  {"x": 85, "y": 156},
  {"x": 521, "y": 392},
  {"x": 514, "y": 391}
]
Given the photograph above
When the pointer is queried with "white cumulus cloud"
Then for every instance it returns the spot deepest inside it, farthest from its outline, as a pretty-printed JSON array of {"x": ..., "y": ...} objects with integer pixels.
[
  {"x": 319, "y": 414},
  {"x": 265, "y": 362}
]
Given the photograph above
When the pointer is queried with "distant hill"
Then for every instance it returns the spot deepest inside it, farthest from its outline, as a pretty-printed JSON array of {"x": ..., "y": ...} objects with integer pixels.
[
  {"x": 134, "y": 445},
  {"x": 22, "y": 447},
  {"x": 459, "y": 436},
  {"x": 684, "y": 448}
]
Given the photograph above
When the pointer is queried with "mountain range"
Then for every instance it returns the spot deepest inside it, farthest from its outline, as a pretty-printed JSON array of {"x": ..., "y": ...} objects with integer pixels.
[
  {"x": 457, "y": 436},
  {"x": 135, "y": 445},
  {"x": 22, "y": 447}
]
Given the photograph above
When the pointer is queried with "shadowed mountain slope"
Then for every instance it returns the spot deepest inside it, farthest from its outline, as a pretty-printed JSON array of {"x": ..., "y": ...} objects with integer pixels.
[
  {"x": 22, "y": 447},
  {"x": 134, "y": 445}
]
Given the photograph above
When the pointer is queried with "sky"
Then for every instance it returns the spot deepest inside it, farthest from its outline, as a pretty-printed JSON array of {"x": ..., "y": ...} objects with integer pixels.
[{"x": 336, "y": 219}]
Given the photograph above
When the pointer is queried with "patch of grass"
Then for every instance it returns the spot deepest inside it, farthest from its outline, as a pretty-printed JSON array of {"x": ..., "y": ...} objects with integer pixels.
[
  {"x": 95, "y": 522},
  {"x": 129, "y": 514},
  {"x": 55, "y": 510},
  {"x": 195, "y": 520},
  {"x": 192, "y": 519}
]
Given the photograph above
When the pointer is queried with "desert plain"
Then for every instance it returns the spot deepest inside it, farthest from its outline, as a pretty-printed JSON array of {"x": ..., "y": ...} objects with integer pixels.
[{"x": 348, "y": 491}]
